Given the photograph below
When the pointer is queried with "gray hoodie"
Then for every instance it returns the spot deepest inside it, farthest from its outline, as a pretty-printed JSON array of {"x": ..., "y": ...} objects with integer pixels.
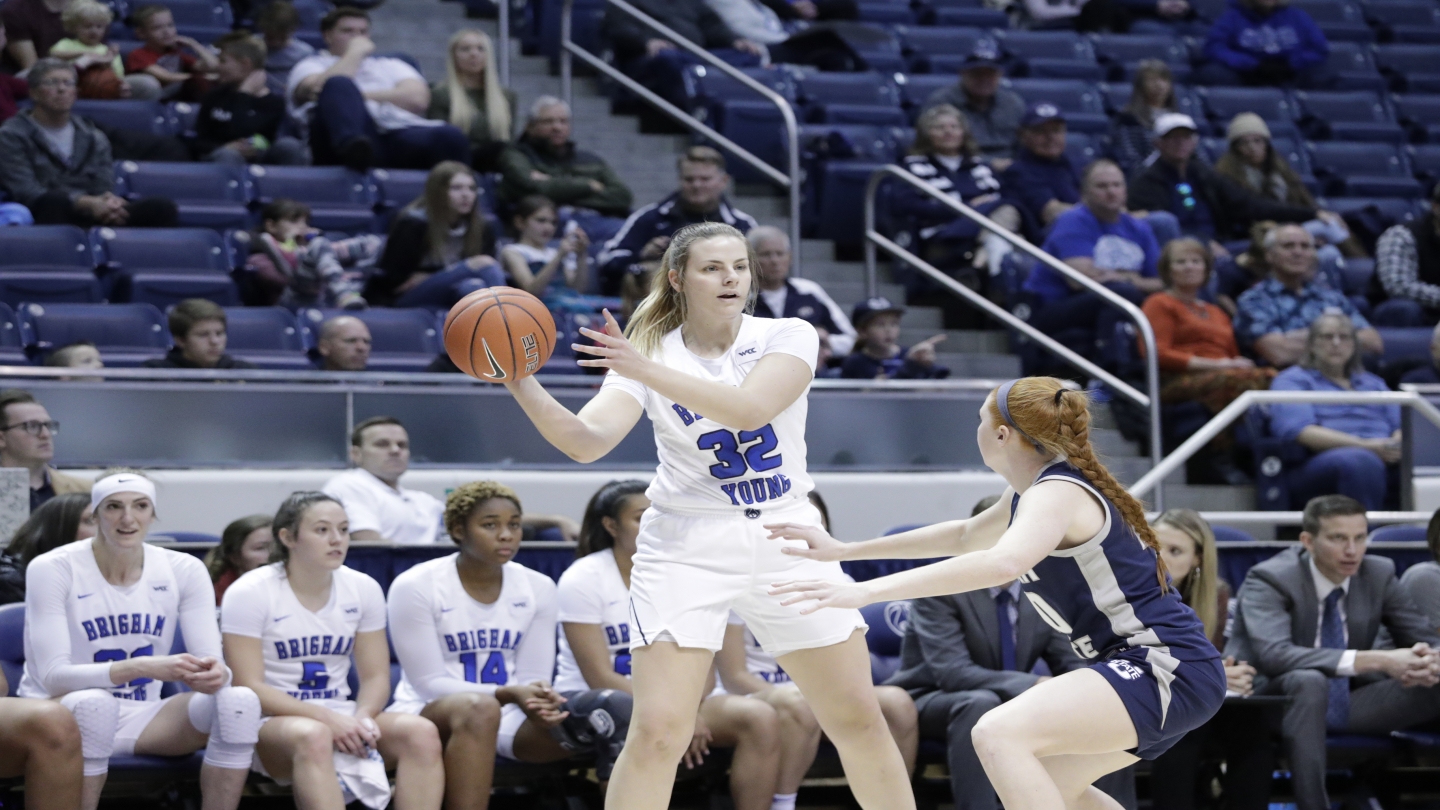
[{"x": 30, "y": 166}]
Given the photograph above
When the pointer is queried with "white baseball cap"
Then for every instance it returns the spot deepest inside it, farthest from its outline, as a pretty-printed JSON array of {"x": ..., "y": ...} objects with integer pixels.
[{"x": 1169, "y": 122}]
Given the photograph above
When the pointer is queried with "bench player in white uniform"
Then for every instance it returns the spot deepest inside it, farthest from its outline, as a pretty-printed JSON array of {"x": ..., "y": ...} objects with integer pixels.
[
  {"x": 726, "y": 395},
  {"x": 290, "y": 629},
  {"x": 475, "y": 635},
  {"x": 100, "y": 618}
]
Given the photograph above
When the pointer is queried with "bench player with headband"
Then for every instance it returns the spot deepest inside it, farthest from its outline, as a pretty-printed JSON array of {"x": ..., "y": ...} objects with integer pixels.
[
  {"x": 1087, "y": 560},
  {"x": 475, "y": 635},
  {"x": 726, "y": 393},
  {"x": 290, "y": 630},
  {"x": 100, "y": 619}
]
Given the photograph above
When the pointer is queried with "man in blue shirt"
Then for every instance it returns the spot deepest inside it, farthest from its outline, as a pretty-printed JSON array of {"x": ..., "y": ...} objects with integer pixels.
[
  {"x": 1275, "y": 315},
  {"x": 1042, "y": 181}
]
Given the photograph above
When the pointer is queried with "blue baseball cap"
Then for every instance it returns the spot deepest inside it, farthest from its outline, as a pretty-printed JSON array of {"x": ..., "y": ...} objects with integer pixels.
[
  {"x": 870, "y": 307},
  {"x": 1041, "y": 112},
  {"x": 985, "y": 53}
]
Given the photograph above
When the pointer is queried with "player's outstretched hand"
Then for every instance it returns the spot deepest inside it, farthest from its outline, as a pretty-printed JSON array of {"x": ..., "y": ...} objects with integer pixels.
[
  {"x": 818, "y": 545},
  {"x": 822, "y": 594},
  {"x": 612, "y": 351},
  {"x": 209, "y": 680}
]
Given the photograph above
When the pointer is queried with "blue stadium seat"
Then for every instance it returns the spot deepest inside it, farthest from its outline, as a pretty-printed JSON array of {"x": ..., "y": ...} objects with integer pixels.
[
  {"x": 1340, "y": 20},
  {"x": 820, "y": 142},
  {"x": 841, "y": 193},
  {"x": 741, "y": 114},
  {"x": 1420, "y": 113},
  {"x": 209, "y": 195},
  {"x": 1410, "y": 68},
  {"x": 972, "y": 17},
  {"x": 707, "y": 86},
  {"x": 339, "y": 199},
  {"x": 1116, "y": 96},
  {"x": 63, "y": 247},
  {"x": 922, "y": 45},
  {"x": 1120, "y": 53},
  {"x": 126, "y": 114},
  {"x": 47, "y": 284},
  {"x": 1398, "y": 533},
  {"x": 850, "y": 98},
  {"x": 1272, "y": 104},
  {"x": 1354, "y": 66},
  {"x": 887, "y": 621},
  {"x": 1364, "y": 169},
  {"x": 1081, "y": 148},
  {"x": 1355, "y": 115},
  {"x": 125, "y": 334},
  {"x": 885, "y": 13},
  {"x": 12, "y": 353},
  {"x": 397, "y": 188},
  {"x": 267, "y": 337},
  {"x": 1406, "y": 344},
  {"x": 403, "y": 339},
  {"x": 182, "y": 116},
  {"x": 160, "y": 249},
  {"x": 1391, "y": 210},
  {"x": 916, "y": 88},
  {"x": 1230, "y": 534},
  {"x": 183, "y": 537},
  {"x": 12, "y": 643},
  {"x": 1425, "y": 162},
  {"x": 1051, "y": 54},
  {"x": 1082, "y": 102},
  {"x": 1415, "y": 21}
]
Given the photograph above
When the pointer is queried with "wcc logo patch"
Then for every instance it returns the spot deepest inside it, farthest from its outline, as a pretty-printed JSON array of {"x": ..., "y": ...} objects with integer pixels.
[{"x": 1125, "y": 669}]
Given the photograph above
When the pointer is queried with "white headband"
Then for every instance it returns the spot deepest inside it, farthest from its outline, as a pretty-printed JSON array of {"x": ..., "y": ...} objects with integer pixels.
[{"x": 121, "y": 482}]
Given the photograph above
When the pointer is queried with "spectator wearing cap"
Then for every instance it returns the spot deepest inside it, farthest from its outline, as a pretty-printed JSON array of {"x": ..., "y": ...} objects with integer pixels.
[
  {"x": 636, "y": 248},
  {"x": 878, "y": 354},
  {"x": 656, "y": 62},
  {"x": 27, "y": 440},
  {"x": 783, "y": 296},
  {"x": 344, "y": 344},
  {"x": 993, "y": 113},
  {"x": 1407, "y": 259},
  {"x": 1209, "y": 206},
  {"x": 198, "y": 328},
  {"x": 545, "y": 161},
  {"x": 1042, "y": 181},
  {"x": 1266, "y": 43}
]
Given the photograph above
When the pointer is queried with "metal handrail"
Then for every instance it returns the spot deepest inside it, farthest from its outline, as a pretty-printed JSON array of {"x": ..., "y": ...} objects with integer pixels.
[
  {"x": 1294, "y": 518},
  {"x": 503, "y": 46},
  {"x": 1242, "y": 403},
  {"x": 790, "y": 182},
  {"x": 1150, "y": 400}
]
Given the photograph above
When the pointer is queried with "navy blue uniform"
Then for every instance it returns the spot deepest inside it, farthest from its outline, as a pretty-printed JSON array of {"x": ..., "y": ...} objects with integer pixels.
[
  {"x": 931, "y": 219},
  {"x": 1147, "y": 643},
  {"x": 622, "y": 253}
]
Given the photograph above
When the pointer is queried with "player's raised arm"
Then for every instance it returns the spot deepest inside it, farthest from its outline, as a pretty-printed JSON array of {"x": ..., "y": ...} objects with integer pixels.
[{"x": 948, "y": 539}]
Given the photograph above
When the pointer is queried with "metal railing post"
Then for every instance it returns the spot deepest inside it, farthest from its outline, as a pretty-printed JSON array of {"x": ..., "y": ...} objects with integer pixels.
[
  {"x": 567, "y": 68},
  {"x": 503, "y": 46}
]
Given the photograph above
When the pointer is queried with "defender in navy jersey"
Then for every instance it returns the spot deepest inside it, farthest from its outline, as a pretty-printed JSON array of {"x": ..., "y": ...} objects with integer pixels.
[{"x": 1087, "y": 560}]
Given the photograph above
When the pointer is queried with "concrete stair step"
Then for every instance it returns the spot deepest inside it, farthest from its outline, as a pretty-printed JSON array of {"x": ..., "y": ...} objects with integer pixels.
[
  {"x": 848, "y": 293},
  {"x": 1205, "y": 498},
  {"x": 957, "y": 341},
  {"x": 982, "y": 366},
  {"x": 1111, "y": 444},
  {"x": 928, "y": 318},
  {"x": 829, "y": 272},
  {"x": 816, "y": 250}
]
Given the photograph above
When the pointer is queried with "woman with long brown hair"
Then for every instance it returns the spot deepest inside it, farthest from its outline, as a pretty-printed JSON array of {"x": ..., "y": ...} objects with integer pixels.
[
  {"x": 1132, "y": 131},
  {"x": 1087, "y": 559}
]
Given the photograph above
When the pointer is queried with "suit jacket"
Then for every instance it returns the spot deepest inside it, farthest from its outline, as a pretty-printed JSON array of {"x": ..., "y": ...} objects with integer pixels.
[
  {"x": 1277, "y": 617},
  {"x": 952, "y": 644},
  {"x": 64, "y": 483}
]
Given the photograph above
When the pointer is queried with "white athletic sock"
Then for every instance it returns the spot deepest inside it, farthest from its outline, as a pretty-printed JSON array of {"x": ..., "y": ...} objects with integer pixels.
[{"x": 783, "y": 801}]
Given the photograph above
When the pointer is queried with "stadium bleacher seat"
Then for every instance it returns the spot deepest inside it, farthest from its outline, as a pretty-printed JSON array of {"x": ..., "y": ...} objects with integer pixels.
[
  {"x": 402, "y": 339},
  {"x": 1416, "y": 21},
  {"x": 1272, "y": 104},
  {"x": 1363, "y": 169},
  {"x": 208, "y": 195},
  {"x": 164, "y": 266},
  {"x": 339, "y": 199},
  {"x": 11, "y": 352},
  {"x": 1081, "y": 101},
  {"x": 1116, "y": 96},
  {"x": 48, "y": 285},
  {"x": 1406, "y": 344},
  {"x": 1051, "y": 54},
  {"x": 126, "y": 114},
  {"x": 933, "y": 49},
  {"x": 1354, "y": 66},
  {"x": 1121, "y": 52},
  {"x": 397, "y": 188},
  {"x": 269, "y": 337},
  {"x": 1425, "y": 162},
  {"x": 887, "y": 621},
  {"x": 1390, "y": 210},
  {"x": 976, "y": 16},
  {"x": 12, "y": 643},
  {"x": 1410, "y": 68},
  {"x": 916, "y": 88},
  {"x": 125, "y": 334},
  {"x": 47, "y": 263},
  {"x": 1420, "y": 113},
  {"x": 849, "y": 98},
  {"x": 1354, "y": 115},
  {"x": 840, "y": 190},
  {"x": 741, "y": 114},
  {"x": 885, "y": 13},
  {"x": 1081, "y": 148},
  {"x": 1398, "y": 533},
  {"x": 1340, "y": 20}
]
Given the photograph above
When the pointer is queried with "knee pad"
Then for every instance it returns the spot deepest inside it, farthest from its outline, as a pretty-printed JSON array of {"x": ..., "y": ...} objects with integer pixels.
[
  {"x": 232, "y": 719},
  {"x": 599, "y": 720},
  {"x": 97, "y": 713}
]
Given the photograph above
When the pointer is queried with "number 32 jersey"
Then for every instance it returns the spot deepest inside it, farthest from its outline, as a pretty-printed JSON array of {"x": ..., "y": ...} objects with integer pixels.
[
  {"x": 709, "y": 467},
  {"x": 307, "y": 654}
]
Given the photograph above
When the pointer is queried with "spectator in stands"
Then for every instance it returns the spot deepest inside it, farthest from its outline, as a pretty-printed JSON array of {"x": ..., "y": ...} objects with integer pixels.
[
  {"x": 543, "y": 160},
  {"x": 763, "y": 22},
  {"x": 1179, "y": 17},
  {"x": 878, "y": 355},
  {"x": 946, "y": 157},
  {"x": 102, "y": 73},
  {"x": 1187, "y": 546},
  {"x": 472, "y": 99},
  {"x": 178, "y": 62},
  {"x": 277, "y": 21},
  {"x": 366, "y": 110},
  {"x": 12, "y": 89},
  {"x": 1208, "y": 206},
  {"x": 994, "y": 114},
  {"x": 80, "y": 354},
  {"x": 1422, "y": 580},
  {"x": 1042, "y": 181},
  {"x": 62, "y": 519},
  {"x": 1355, "y": 447},
  {"x": 1407, "y": 259},
  {"x": 1152, "y": 94},
  {"x": 1308, "y": 620},
  {"x": 1428, "y": 373},
  {"x": 198, "y": 329},
  {"x": 1266, "y": 43},
  {"x": 1274, "y": 316},
  {"x": 240, "y": 118},
  {"x": 558, "y": 275},
  {"x": 294, "y": 265},
  {"x": 59, "y": 165},
  {"x": 782, "y": 296},
  {"x": 439, "y": 249},
  {"x": 244, "y": 546},
  {"x": 379, "y": 509},
  {"x": 657, "y": 62},
  {"x": 33, "y": 27},
  {"x": 633, "y": 253},
  {"x": 27, "y": 439},
  {"x": 344, "y": 344}
]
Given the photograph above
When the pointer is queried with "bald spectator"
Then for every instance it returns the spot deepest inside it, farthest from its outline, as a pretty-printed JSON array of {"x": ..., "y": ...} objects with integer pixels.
[
  {"x": 27, "y": 439},
  {"x": 344, "y": 344},
  {"x": 782, "y": 296}
]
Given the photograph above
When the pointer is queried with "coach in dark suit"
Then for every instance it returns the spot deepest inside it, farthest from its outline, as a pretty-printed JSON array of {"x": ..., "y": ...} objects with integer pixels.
[
  {"x": 967, "y": 653},
  {"x": 1307, "y": 620}
]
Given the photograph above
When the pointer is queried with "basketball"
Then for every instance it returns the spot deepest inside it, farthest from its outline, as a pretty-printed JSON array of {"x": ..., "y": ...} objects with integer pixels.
[
  {"x": 499, "y": 334},
  {"x": 99, "y": 82}
]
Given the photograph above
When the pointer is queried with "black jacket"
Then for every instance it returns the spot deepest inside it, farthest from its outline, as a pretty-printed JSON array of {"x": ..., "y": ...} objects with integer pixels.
[
  {"x": 175, "y": 358},
  {"x": 691, "y": 19},
  {"x": 407, "y": 254},
  {"x": 1232, "y": 208},
  {"x": 226, "y": 115}
]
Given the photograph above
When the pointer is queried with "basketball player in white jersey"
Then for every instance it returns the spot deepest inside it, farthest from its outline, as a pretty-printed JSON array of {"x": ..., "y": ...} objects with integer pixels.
[
  {"x": 40, "y": 742},
  {"x": 475, "y": 635},
  {"x": 290, "y": 629},
  {"x": 101, "y": 616},
  {"x": 726, "y": 394}
]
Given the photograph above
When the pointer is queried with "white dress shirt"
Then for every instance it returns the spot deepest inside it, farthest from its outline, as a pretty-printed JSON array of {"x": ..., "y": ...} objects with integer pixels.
[{"x": 402, "y": 516}]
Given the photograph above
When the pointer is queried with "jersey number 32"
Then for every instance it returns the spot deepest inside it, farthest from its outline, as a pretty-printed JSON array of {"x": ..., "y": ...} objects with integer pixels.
[{"x": 732, "y": 461}]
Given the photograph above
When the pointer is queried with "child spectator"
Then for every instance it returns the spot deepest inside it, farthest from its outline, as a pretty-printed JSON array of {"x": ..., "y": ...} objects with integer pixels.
[
  {"x": 198, "y": 328},
  {"x": 556, "y": 274},
  {"x": 244, "y": 546},
  {"x": 240, "y": 119},
  {"x": 81, "y": 354},
  {"x": 878, "y": 354},
  {"x": 295, "y": 266},
  {"x": 277, "y": 22},
  {"x": 102, "y": 75},
  {"x": 164, "y": 55}
]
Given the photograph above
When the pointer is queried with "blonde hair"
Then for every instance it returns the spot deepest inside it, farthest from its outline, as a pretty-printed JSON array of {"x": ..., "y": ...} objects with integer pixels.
[
  {"x": 924, "y": 146},
  {"x": 663, "y": 310},
  {"x": 1199, "y": 587},
  {"x": 462, "y": 109},
  {"x": 1058, "y": 421},
  {"x": 84, "y": 11}
]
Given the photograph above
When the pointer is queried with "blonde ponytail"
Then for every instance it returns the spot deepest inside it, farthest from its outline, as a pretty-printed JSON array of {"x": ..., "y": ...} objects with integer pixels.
[{"x": 663, "y": 309}]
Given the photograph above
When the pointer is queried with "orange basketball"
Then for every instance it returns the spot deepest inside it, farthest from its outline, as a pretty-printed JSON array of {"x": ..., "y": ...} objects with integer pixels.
[{"x": 499, "y": 334}]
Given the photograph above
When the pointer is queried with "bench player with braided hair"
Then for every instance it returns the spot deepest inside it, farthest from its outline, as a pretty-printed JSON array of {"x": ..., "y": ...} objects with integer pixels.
[{"x": 1087, "y": 560}]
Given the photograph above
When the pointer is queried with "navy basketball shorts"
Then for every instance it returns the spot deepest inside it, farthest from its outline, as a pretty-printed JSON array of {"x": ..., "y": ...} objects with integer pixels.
[{"x": 1167, "y": 698}]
